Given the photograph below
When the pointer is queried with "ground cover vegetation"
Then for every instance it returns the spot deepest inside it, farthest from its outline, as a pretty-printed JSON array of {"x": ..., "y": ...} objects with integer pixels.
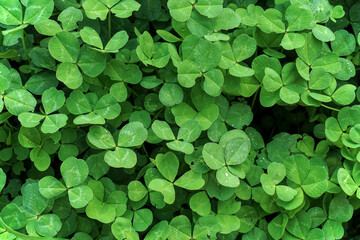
[{"x": 179, "y": 119}]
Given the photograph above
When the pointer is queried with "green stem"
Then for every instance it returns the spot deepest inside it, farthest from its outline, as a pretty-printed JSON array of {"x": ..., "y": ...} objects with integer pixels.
[
  {"x": 7, "y": 123},
  {"x": 254, "y": 99},
  {"x": 144, "y": 168},
  {"x": 27, "y": 38},
  {"x": 109, "y": 24},
  {"x": 24, "y": 45},
  {"x": 157, "y": 114},
  {"x": 132, "y": 91},
  {"x": 6, "y": 164},
  {"x": 24, "y": 236},
  {"x": 331, "y": 108},
  {"x": 42, "y": 112},
  {"x": 55, "y": 13},
  {"x": 146, "y": 153}
]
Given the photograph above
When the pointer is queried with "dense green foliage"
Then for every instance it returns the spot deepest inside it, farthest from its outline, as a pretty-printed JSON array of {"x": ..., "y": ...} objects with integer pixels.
[{"x": 179, "y": 119}]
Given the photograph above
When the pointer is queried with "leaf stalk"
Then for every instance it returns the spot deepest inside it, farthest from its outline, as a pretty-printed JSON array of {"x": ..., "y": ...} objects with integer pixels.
[
  {"x": 331, "y": 108},
  {"x": 24, "y": 45},
  {"x": 109, "y": 24}
]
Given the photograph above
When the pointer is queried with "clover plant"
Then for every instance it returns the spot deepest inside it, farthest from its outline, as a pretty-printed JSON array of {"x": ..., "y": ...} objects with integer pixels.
[{"x": 179, "y": 119}]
